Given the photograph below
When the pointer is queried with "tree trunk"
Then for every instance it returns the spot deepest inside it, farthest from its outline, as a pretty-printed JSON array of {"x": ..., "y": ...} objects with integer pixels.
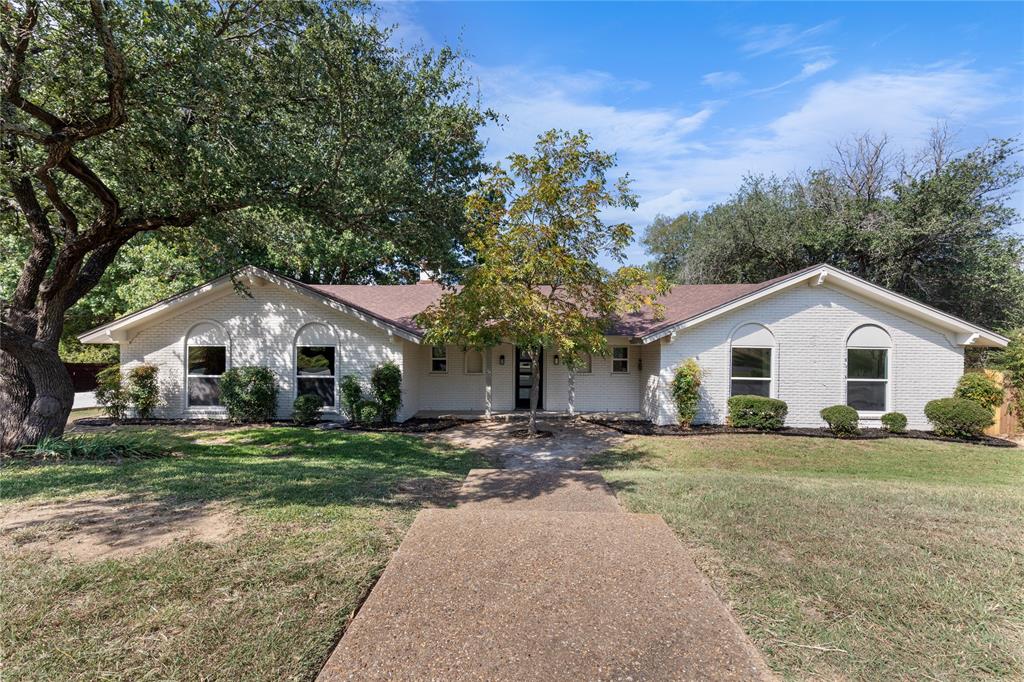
[
  {"x": 534, "y": 389},
  {"x": 15, "y": 398},
  {"x": 41, "y": 410}
]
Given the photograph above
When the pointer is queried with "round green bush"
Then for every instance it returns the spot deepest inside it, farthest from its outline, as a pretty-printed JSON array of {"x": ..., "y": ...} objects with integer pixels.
[
  {"x": 894, "y": 422},
  {"x": 369, "y": 411},
  {"x": 978, "y": 387},
  {"x": 249, "y": 394},
  {"x": 841, "y": 419},
  {"x": 143, "y": 390},
  {"x": 958, "y": 417},
  {"x": 757, "y": 412},
  {"x": 686, "y": 391},
  {"x": 386, "y": 382},
  {"x": 306, "y": 409}
]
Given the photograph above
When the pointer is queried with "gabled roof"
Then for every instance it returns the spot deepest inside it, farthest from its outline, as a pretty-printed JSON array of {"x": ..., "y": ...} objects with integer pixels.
[{"x": 394, "y": 307}]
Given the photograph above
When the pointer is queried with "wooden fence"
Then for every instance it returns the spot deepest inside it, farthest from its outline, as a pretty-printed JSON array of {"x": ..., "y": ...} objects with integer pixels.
[
  {"x": 83, "y": 374},
  {"x": 1006, "y": 423}
]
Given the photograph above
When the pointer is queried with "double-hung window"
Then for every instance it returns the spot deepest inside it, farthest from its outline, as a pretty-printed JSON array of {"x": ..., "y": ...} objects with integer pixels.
[
  {"x": 620, "y": 360},
  {"x": 439, "y": 359},
  {"x": 867, "y": 379},
  {"x": 752, "y": 371},
  {"x": 314, "y": 370},
  {"x": 206, "y": 364}
]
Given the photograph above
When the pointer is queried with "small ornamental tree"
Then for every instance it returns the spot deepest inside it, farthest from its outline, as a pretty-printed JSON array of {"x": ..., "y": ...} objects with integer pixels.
[
  {"x": 981, "y": 389},
  {"x": 536, "y": 232},
  {"x": 249, "y": 393},
  {"x": 142, "y": 390},
  {"x": 351, "y": 396},
  {"x": 110, "y": 392},
  {"x": 686, "y": 391}
]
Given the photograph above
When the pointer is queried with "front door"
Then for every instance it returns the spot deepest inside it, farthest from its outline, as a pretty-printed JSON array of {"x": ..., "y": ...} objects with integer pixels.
[{"x": 524, "y": 380}]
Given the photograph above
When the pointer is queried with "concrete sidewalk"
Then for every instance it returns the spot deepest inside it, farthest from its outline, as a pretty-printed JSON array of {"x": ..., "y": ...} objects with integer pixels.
[{"x": 540, "y": 576}]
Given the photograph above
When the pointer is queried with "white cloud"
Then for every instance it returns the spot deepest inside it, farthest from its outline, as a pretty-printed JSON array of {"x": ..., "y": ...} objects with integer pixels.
[
  {"x": 722, "y": 79},
  {"x": 761, "y": 40},
  {"x": 808, "y": 70}
]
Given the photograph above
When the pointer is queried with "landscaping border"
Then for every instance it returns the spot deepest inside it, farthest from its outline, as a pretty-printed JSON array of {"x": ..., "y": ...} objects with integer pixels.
[
  {"x": 414, "y": 425},
  {"x": 637, "y": 427}
]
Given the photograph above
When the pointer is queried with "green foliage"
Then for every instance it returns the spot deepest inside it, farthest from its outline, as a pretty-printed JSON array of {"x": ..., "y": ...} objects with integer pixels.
[
  {"x": 306, "y": 409},
  {"x": 981, "y": 389},
  {"x": 757, "y": 412},
  {"x": 841, "y": 419},
  {"x": 1010, "y": 361},
  {"x": 537, "y": 231},
  {"x": 94, "y": 447},
  {"x": 111, "y": 392},
  {"x": 686, "y": 390},
  {"x": 369, "y": 411},
  {"x": 249, "y": 393},
  {"x": 938, "y": 231},
  {"x": 894, "y": 422},
  {"x": 958, "y": 417},
  {"x": 351, "y": 396},
  {"x": 386, "y": 381},
  {"x": 142, "y": 390}
]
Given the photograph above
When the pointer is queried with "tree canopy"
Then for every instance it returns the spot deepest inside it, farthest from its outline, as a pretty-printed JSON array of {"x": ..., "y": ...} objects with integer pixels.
[
  {"x": 934, "y": 227},
  {"x": 536, "y": 232},
  {"x": 229, "y": 129}
]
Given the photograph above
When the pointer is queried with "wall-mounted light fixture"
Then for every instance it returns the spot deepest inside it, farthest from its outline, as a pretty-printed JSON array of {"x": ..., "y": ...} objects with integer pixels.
[
  {"x": 501, "y": 359},
  {"x": 556, "y": 359}
]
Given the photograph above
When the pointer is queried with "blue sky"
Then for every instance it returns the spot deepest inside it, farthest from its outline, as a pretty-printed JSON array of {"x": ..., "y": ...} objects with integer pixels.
[{"x": 692, "y": 96}]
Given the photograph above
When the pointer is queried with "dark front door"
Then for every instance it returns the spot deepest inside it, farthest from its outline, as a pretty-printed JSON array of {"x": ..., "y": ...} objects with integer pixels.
[{"x": 524, "y": 380}]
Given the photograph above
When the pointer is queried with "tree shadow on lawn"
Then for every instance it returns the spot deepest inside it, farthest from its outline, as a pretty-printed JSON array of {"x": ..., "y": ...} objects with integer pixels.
[{"x": 265, "y": 468}]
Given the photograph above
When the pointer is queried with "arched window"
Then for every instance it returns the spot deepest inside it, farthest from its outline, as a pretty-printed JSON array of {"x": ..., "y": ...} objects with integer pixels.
[
  {"x": 315, "y": 359},
  {"x": 751, "y": 361},
  {"x": 867, "y": 369},
  {"x": 474, "y": 361},
  {"x": 206, "y": 358}
]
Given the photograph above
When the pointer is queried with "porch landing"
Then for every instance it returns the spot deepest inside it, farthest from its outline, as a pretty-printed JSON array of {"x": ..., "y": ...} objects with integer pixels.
[{"x": 509, "y": 415}]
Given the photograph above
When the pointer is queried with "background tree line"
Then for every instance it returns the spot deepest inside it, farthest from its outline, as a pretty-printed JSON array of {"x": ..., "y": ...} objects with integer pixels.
[{"x": 934, "y": 225}]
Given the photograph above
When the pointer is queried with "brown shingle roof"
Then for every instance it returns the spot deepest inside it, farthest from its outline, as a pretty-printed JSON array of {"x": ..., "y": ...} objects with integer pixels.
[{"x": 399, "y": 304}]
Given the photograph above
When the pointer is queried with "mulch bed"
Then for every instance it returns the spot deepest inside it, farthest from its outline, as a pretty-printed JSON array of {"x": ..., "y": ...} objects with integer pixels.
[
  {"x": 638, "y": 427},
  {"x": 416, "y": 425}
]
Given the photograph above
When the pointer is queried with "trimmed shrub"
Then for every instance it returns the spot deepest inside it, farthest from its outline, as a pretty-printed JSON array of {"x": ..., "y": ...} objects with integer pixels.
[
  {"x": 894, "y": 422},
  {"x": 686, "y": 391},
  {"x": 306, "y": 409},
  {"x": 369, "y": 412},
  {"x": 841, "y": 419},
  {"x": 757, "y": 412},
  {"x": 98, "y": 447},
  {"x": 142, "y": 390},
  {"x": 958, "y": 417},
  {"x": 386, "y": 382},
  {"x": 351, "y": 396},
  {"x": 111, "y": 392},
  {"x": 981, "y": 389},
  {"x": 249, "y": 394}
]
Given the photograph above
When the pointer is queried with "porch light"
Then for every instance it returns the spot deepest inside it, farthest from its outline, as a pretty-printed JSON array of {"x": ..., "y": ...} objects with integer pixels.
[
  {"x": 501, "y": 359},
  {"x": 555, "y": 358}
]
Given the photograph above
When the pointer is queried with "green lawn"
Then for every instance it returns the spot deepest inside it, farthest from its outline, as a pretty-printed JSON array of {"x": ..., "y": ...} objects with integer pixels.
[
  {"x": 893, "y": 559},
  {"x": 319, "y": 513}
]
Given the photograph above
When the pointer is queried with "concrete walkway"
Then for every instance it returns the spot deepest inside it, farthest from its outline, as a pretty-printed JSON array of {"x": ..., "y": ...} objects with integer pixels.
[{"x": 539, "y": 575}]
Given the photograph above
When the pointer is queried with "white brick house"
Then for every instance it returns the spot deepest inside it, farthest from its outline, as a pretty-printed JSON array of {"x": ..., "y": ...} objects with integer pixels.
[{"x": 813, "y": 338}]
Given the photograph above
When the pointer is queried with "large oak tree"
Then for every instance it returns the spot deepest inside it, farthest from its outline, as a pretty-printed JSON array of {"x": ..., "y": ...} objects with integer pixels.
[{"x": 198, "y": 119}]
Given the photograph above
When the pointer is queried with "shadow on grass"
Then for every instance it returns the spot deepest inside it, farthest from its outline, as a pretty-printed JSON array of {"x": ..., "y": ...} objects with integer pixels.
[
  {"x": 621, "y": 458},
  {"x": 265, "y": 467}
]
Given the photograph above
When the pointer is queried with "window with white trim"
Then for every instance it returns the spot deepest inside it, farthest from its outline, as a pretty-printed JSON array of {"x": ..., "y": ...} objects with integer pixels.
[
  {"x": 206, "y": 364},
  {"x": 620, "y": 360},
  {"x": 314, "y": 372},
  {"x": 867, "y": 379},
  {"x": 867, "y": 369},
  {"x": 751, "y": 371},
  {"x": 438, "y": 359},
  {"x": 474, "y": 362}
]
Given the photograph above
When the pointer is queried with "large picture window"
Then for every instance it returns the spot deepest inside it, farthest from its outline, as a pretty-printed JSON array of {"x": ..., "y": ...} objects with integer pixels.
[
  {"x": 867, "y": 379},
  {"x": 314, "y": 369},
  {"x": 206, "y": 364},
  {"x": 752, "y": 371}
]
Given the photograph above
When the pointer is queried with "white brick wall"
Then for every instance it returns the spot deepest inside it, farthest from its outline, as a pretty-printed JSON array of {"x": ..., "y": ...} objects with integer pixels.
[
  {"x": 262, "y": 330},
  {"x": 597, "y": 391},
  {"x": 810, "y": 325}
]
